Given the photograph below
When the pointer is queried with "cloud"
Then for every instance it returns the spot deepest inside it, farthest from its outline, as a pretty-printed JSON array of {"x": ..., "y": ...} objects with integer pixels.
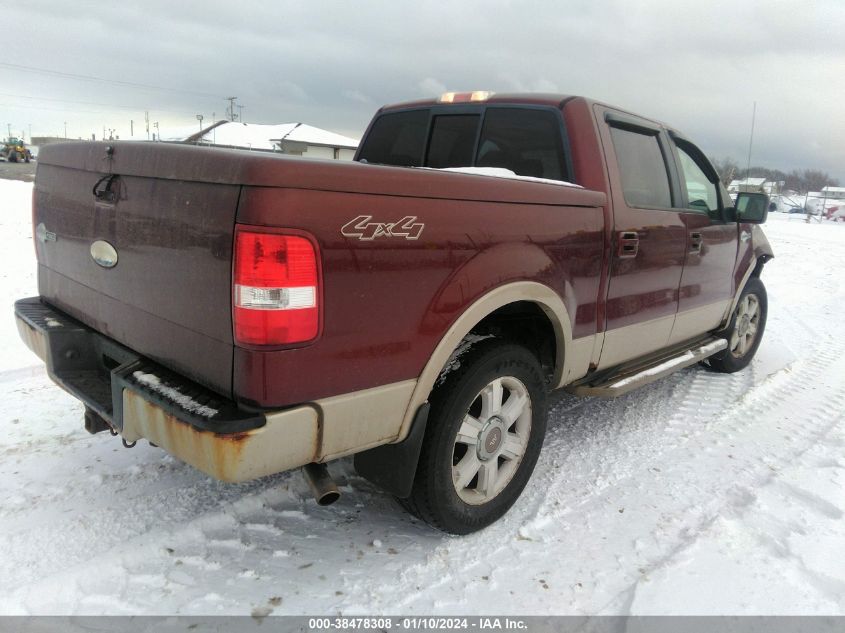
[
  {"x": 430, "y": 87},
  {"x": 357, "y": 95},
  {"x": 697, "y": 65}
]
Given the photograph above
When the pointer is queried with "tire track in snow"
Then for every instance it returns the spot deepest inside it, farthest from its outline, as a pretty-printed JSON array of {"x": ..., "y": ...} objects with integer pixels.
[{"x": 700, "y": 415}]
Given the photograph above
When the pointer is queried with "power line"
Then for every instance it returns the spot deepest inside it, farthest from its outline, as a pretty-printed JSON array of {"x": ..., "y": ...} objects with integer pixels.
[
  {"x": 99, "y": 103},
  {"x": 64, "y": 110},
  {"x": 117, "y": 82},
  {"x": 95, "y": 103}
]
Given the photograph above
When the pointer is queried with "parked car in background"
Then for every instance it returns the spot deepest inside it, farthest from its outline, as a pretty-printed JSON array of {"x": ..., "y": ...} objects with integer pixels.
[{"x": 837, "y": 214}]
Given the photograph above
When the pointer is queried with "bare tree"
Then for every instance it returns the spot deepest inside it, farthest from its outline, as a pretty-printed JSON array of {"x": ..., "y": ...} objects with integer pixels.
[
  {"x": 815, "y": 179},
  {"x": 800, "y": 180},
  {"x": 727, "y": 168}
]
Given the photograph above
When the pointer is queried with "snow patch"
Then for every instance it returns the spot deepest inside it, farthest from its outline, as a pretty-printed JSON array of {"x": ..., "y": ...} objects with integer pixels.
[
  {"x": 501, "y": 172},
  {"x": 454, "y": 361},
  {"x": 174, "y": 395}
]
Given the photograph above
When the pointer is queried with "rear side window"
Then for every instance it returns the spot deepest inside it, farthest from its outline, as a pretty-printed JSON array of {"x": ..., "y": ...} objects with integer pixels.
[
  {"x": 526, "y": 141},
  {"x": 645, "y": 181},
  {"x": 397, "y": 139},
  {"x": 452, "y": 140}
]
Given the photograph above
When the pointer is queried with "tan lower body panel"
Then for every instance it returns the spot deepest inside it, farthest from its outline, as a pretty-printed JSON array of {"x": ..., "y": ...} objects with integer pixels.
[
  {"x": 363, "y": 419},
  {"x": 324, "y": 430},
  {"x": 578, "y": 357},
  {"x": 692, "y": 323},
  {"x": 287, "y": 441},
  {"x": 631, "y": 341}
]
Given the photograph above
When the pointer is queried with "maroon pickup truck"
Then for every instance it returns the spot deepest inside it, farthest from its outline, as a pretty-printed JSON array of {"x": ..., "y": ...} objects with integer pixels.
[{"x": 252, "y": 313}]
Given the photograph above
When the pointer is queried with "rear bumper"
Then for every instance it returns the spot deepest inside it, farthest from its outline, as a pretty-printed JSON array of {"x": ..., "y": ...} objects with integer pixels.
[{"x": 141, "y": 399}]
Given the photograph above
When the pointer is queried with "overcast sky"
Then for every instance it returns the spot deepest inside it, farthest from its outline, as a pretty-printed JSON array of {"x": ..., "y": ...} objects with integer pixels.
[{"x": 697, "y": 65}]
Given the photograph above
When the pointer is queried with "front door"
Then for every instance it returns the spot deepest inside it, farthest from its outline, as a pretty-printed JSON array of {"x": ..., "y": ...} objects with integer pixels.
[{"x": 707, "y": 286}]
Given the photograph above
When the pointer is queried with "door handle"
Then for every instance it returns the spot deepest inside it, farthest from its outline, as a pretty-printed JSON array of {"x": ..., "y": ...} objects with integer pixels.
[
  {"x": 695, "y": 241},
  {"x": 629, "y": 244}
]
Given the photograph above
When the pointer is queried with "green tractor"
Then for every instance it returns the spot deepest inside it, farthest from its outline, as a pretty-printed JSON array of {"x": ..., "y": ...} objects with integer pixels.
[{"x": 14, "y": 150}]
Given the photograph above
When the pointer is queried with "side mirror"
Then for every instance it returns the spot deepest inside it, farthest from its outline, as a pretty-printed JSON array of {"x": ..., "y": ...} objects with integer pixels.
[{"x": 752, "y": 207}]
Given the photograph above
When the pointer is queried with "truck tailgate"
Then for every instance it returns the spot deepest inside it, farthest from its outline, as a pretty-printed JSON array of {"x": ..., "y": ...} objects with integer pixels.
[{"x": 169, "y": 295}]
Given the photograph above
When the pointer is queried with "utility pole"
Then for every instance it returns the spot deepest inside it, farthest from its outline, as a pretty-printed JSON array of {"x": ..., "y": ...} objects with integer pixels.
[
  {"x": 9, "y": 130},
  {"x": 131, "y": 127},
  {"x": 65, "y": 129},
  {"x": 157, "y": 133},
  {"x": 147, "y": 121},
  {"x": 240, "y": 113},
  {"x": 199, "y": 118},
  {"x": 231, "y": 108}
]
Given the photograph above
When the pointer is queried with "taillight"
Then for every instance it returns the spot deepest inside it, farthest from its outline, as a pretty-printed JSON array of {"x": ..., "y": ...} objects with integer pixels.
[{"x": 276, "y": 290}]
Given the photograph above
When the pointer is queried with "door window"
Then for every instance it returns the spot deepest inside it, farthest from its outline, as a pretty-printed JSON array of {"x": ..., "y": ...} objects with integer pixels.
[
  {"x": 702, "y": 194},
  {"x": 645, "y": 180}
]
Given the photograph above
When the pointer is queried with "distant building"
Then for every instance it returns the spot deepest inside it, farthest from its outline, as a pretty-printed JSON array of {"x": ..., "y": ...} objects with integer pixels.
[
  {"x": 755, "y": 185},
  {"x": 297, "y": 139},
  {"x": 832, "y": 193}
]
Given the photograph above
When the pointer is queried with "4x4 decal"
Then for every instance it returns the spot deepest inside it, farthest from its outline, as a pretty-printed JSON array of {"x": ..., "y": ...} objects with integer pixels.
[{"x": 365, "y": 230}]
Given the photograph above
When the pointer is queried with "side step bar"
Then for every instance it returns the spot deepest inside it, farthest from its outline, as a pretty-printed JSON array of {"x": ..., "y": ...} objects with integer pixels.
[{"x": 630, "y": 378}]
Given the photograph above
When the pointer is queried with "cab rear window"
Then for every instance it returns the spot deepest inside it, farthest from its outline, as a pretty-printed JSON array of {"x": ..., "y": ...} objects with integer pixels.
[
  {"x": 526, "y": 141},
  {"x": 397, "y": 139}
]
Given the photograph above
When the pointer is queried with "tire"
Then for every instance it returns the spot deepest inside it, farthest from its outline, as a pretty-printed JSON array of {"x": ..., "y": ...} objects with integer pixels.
[
  {"x": 745, "y": 331},
  {"x": 13, "y": 157},
  {"x": 471, "y": 424}
]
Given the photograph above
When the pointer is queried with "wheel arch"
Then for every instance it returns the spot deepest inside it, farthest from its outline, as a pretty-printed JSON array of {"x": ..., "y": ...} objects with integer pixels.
[
  {"x": 529, "y": 292},
  {"x": 755, "y": 270}
]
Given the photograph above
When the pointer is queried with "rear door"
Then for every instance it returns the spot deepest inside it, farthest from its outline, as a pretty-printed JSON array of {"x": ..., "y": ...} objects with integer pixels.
[{"x": 649, "y": 239}]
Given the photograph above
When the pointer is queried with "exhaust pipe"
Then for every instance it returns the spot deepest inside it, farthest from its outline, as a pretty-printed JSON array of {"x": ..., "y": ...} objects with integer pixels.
[{"x": 322, "y": 485}]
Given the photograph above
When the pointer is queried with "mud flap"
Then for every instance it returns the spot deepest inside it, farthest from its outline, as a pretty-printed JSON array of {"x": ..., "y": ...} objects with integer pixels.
[{"x": 392, "y": 467}]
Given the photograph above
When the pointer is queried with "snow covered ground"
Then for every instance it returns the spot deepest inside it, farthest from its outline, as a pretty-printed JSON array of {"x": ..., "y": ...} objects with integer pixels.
[{"x": 700, "y": 494}]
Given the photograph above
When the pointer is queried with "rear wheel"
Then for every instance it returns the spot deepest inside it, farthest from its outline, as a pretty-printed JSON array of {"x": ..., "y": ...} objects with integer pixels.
[
  {"x": 13, "y": 157},
  {"x": 745, "y": 330},
  {"x": 484, "y": 435}
]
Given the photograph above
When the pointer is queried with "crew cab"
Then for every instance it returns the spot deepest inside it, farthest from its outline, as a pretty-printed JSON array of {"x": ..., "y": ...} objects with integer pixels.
[{"x": 252, "y": 313}]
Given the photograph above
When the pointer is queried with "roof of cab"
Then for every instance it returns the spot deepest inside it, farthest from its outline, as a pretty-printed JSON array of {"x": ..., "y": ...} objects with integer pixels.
[
  {"x": 520, "y": 98},
  {"x": 525, "y": 98}
]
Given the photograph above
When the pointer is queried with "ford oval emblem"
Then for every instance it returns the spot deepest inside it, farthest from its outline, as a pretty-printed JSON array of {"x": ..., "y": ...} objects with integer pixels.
[{"x": 104, "y": 254}]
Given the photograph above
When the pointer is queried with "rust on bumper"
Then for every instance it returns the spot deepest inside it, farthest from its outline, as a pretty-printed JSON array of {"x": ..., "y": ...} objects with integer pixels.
[{"x": 287, "y": 441}]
